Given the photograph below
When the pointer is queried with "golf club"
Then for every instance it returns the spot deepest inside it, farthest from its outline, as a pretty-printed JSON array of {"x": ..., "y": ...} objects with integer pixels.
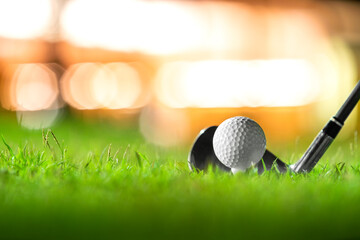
[{"x": 202, "y": 153}]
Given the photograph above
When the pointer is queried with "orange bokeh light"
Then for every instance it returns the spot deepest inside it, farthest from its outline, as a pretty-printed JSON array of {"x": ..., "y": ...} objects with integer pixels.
[
  {"x": 30, "y": 87},
  {"x": 36, "y": 87},
  {"x": 95, "y": 85}
]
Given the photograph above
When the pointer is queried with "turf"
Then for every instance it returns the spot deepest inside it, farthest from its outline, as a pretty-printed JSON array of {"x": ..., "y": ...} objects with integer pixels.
[{"x": 101, "y": 181}]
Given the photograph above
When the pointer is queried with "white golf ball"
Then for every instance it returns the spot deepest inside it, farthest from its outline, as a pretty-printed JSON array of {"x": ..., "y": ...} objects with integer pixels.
[{"x": 239, "y": 142}]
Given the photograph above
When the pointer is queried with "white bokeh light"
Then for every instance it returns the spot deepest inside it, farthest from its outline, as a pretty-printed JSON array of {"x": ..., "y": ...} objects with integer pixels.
[
  {"x": 25, "y": 18},
  {"x": 168, "y": 27},
  {"x": 225, "y": 83}
]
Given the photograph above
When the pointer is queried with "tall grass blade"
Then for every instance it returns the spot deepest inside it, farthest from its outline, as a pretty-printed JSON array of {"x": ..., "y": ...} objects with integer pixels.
[{"x": 7, "y": 146}]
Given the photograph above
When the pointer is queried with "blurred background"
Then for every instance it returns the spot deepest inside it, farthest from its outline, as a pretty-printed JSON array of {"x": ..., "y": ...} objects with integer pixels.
[{"x": 171, "y": 68}]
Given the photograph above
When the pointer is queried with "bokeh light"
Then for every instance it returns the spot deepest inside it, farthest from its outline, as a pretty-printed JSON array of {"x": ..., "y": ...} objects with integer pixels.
[
  {"x": 38, "y": 119},
  {"x": 167, "y": 26},
  {"x": 36, "y": 87},
  {"x": 32, "y": 91},
  {"x": 30, "y": 87},
  {"x": 76, "y": 87},
  {"x": 222, "y": 28},
  {"x": 25, "y": 18},
  {"x": 95, "y": 85},
  {"x": 209, "y": 84},
  {"x": 164, "y": 126},
  {"x": 128, "y": 85}
]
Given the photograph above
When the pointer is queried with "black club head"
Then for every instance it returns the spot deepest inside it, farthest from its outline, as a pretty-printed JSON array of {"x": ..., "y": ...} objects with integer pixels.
[{"x": 202, "y": 152}]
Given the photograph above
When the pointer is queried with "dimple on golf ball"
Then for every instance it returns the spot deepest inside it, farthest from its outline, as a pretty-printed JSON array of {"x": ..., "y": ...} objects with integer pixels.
[{"x": 239, "y": 142}]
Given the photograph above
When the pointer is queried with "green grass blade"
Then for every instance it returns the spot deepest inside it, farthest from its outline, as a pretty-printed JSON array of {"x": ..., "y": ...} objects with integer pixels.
[{"x": 7, "y": 146}]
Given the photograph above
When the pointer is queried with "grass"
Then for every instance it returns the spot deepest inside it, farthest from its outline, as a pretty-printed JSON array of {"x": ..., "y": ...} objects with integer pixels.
[{"x": 99, "y": 181}]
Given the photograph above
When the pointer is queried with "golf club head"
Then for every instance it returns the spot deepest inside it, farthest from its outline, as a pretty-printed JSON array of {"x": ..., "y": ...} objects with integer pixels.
[
  {"x": 202, "y": 152},
  {"x": 202, "y": 155}
]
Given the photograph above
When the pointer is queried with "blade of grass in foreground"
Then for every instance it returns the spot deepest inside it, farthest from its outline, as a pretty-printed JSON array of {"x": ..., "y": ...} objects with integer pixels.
[{"x": 7, "y": 146}]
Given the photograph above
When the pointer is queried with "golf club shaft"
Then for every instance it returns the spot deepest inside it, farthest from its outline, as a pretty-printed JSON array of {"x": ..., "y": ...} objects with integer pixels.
[{"x": 326, "y": 136}]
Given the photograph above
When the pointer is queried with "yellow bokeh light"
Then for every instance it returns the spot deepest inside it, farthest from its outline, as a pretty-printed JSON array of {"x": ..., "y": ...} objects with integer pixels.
[{"x": 25, "y": 18}]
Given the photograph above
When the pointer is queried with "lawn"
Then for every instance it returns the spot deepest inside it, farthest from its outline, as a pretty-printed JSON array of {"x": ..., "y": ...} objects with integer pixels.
[{"x": 96, "y": 180}]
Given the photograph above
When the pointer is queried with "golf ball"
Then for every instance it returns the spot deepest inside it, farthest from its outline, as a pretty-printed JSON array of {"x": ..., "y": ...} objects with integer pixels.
[{"x": 239, "y": 142}]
